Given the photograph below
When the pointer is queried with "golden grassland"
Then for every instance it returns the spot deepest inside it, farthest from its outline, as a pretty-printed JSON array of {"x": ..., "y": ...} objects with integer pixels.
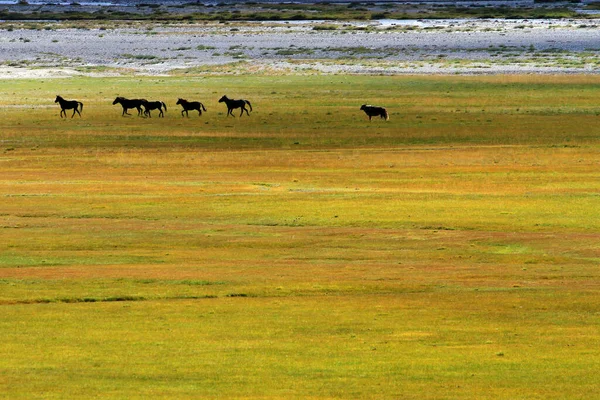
[{"x": 302, "y": 252}]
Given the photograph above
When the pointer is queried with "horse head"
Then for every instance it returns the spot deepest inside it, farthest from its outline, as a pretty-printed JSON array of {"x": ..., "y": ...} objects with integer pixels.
[
  {"x": 117, "y": 100},
  {"x": 180, "y": 101},
  {"x": 222, "y": 99},
  {"x": 58, "y": 98}
]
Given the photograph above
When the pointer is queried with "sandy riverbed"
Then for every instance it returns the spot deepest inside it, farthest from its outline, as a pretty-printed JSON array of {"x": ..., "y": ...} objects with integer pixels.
[{"x": 48, "y": 49}]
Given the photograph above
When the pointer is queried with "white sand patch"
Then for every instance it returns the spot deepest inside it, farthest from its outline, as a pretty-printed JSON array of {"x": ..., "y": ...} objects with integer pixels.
[{"x": 35, "y": 73}]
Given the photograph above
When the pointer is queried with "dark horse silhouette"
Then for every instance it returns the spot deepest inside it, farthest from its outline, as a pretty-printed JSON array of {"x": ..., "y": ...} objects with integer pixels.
[
  {"x": 129, "y": 103},
  {"x": 373, "y": 111},
  {"x": 154, "y": 105},
  {"x": 190, "y": 105},
  {"x": 233, "y": 104},
  {"x": 74, "y": 105}
]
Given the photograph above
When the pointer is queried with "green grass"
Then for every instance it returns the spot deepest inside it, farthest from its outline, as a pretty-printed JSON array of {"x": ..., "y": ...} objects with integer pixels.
[{"x": 301, "y": 252}]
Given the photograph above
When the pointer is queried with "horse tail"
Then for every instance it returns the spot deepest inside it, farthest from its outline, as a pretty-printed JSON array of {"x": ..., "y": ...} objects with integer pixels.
[
  {"x": 203, "y": 108},
  {"x": 80, "y": 106},
  {"x": 164, "y": 105},
  {"x": 385, "y": 115},
  {"x": 247, "y": 102}
]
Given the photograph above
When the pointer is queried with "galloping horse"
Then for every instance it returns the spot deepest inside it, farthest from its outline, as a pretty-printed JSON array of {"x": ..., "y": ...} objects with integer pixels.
[
  {"x": 233, "y": 104},
  {"x": 190, "y": 105},
  {"x": 74, "y": 105},
  {"x": 154, "y": 105},
  {"x": 373, "y": 111},
  {"x": 129, "y": 103}
]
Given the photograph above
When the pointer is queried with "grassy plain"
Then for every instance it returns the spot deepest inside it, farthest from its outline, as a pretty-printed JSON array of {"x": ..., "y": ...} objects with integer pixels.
[{"x": 303, "y": 252}]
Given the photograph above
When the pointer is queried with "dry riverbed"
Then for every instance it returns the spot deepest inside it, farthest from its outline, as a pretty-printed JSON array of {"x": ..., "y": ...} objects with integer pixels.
[{"x": 58, "y": 49}]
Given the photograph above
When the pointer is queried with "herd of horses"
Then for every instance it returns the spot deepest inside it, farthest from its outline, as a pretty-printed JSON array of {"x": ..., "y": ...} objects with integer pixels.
[{"x": 144, "y": 107}]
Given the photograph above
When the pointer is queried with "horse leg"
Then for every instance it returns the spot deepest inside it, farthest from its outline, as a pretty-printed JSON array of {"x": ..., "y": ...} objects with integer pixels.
[
  {"x": 61, "y": 112},
  {"x": 74, "y": 111},
  {"x": 161, "y": 113}
]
